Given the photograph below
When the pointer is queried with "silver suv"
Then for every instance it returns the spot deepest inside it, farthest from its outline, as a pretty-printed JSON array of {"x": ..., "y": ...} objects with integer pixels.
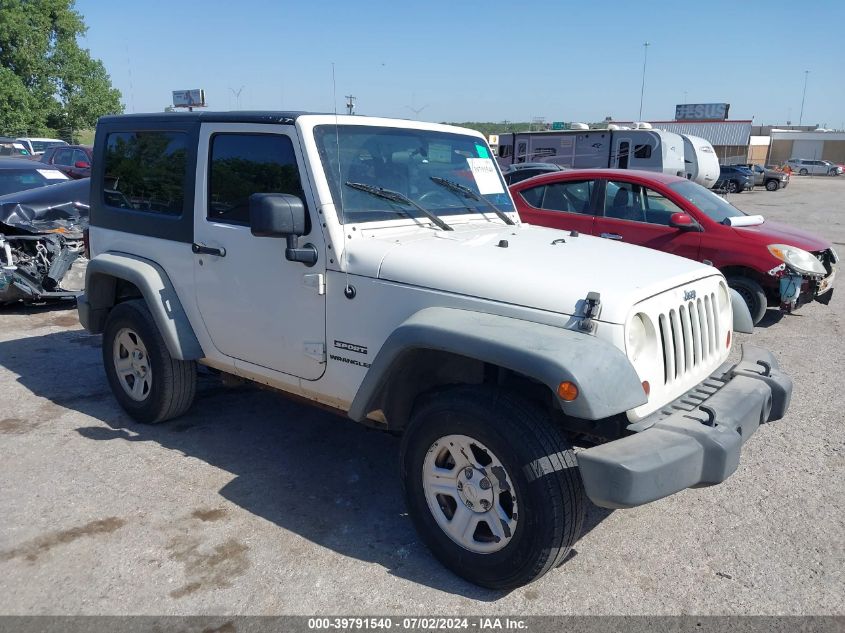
[{"x": 814, "y": 167}]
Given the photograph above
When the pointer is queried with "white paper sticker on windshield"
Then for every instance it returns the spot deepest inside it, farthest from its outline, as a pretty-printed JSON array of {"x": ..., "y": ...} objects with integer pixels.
[
  {"x": 52, "y": 174},
  {"x": 486, "y": 175}
]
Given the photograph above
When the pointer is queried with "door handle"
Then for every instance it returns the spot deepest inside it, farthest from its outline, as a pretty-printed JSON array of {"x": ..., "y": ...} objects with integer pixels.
[
  {"x": 201, "y": 249},
  {"x": 611, "y": 236}
]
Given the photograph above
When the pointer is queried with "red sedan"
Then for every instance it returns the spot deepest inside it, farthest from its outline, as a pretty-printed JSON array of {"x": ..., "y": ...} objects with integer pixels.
[{"x": 768, "y": 263}]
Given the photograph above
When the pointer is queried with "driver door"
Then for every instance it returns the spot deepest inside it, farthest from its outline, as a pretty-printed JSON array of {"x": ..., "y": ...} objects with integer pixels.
[{"x": 257, "y": 307}]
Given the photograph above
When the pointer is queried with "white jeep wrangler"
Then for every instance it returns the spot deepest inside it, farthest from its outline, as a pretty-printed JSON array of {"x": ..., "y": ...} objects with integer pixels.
[{"x": 378, "y": 267}]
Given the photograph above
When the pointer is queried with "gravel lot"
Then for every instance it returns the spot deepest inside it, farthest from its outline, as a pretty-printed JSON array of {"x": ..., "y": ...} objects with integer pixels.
[{"x": 253, "y": 504}]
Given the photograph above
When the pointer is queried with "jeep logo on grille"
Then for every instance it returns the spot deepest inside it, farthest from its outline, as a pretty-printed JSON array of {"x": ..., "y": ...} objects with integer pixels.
[{"x": 689, "y": 295}]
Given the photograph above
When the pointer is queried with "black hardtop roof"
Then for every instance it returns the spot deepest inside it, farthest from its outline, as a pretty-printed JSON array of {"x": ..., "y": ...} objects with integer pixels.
[{"x": 237, "y": 116}]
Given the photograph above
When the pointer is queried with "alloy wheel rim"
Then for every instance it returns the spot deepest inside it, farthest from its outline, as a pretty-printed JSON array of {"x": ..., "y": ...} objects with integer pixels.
[
  {"x": 470, "y": 494},
  {"x": 132, "y": 365}
]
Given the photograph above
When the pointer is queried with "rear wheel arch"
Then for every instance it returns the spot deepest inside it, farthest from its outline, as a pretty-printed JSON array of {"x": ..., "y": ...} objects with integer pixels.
[{"x": 112, "y": 279}]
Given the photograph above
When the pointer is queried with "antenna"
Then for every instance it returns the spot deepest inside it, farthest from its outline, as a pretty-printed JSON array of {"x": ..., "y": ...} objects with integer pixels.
[{"x": 350, "y": 104}]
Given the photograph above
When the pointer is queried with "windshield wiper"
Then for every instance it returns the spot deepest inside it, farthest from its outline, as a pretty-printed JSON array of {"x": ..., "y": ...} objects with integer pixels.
[
  {"x": 395, "y": 196},
  {"x": 457, "y": 188}
]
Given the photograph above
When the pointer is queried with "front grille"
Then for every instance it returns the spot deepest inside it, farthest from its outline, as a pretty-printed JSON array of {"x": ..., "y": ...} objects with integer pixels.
[{"x": 689, "y": 336}]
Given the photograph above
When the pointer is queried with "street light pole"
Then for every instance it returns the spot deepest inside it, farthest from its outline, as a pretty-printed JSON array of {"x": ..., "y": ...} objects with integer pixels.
[
  {"x": 642, "y": 88},
  {"x": 803, "y": 94}
]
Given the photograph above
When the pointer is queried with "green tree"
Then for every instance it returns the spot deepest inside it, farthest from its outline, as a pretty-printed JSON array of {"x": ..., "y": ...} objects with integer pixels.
[{"x": 48, "y": 83}]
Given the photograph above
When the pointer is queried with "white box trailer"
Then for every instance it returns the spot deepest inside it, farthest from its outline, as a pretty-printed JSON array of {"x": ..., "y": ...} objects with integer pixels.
[{"x": 647, "y": 149}]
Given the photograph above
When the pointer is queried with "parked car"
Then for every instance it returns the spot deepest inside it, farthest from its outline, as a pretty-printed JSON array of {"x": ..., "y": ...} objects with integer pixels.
[
  {"x": 37, "y": 145},
  {"x": 814, "y": 167},
  {"x": 768, "y": 263},
  {"x": 523, "y": 171},
  {"x": 771, "y": 179},
  {"x": 11, "y": 147},
  {"x": 734, "y": 179},
  {"x": 41, "y": 242},
  {"x": 74, "y": 160},
  {"x": 17, "y": 175}
]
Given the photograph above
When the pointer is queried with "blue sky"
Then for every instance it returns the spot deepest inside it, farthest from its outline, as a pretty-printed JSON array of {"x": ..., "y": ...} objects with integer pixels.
[{"x": 480, "y": 61}]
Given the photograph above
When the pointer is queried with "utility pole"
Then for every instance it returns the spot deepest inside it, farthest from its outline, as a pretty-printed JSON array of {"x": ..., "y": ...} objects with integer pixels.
[
  {"x": 350, "y": 104},
  {"x": 642, "y": 88},
  {"x": 804, "y": 94}
]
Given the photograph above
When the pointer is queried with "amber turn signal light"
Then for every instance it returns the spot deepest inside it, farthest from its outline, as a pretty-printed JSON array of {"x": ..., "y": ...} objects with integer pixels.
[
  {"x": 646, "y": 388},
  {"x": 567, "y": 391}
]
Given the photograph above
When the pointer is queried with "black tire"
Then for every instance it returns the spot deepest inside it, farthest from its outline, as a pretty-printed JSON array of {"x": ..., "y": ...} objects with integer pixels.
[
  {"x": 803, "y": 172},
  {"x": 753, "y": 295},
  {"x": 772, "y": 185},
  {"x": 833, "y": 172},
  {"x": 173, "y": 382},
  {"x": 732, "y": 186},
  {"x": 521, "y": 435}
]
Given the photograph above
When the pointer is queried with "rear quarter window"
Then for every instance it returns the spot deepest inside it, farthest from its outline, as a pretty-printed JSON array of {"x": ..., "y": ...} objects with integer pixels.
[{"x": 146, "y": 171}]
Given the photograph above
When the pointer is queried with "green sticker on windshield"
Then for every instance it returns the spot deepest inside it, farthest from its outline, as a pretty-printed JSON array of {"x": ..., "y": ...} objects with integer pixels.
[{"x": 482, "y": 151}]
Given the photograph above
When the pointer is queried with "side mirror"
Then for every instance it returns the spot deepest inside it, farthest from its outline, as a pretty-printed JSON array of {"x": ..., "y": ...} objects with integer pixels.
[
  {"x": 684, "y": 222},
  {"x": 281, "y": 215},
  {"x": 81, "y": 164}
]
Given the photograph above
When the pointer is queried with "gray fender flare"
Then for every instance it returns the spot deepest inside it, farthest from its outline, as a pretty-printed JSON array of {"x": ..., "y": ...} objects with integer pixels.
[
  {"x": 742, "y": 315},
  {"x": 606, "y": 381},
  {"x": 158, "y": 292}
]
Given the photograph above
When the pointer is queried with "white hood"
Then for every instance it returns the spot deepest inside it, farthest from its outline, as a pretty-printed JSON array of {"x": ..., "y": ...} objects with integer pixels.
[{"x": 531, "y": 271}]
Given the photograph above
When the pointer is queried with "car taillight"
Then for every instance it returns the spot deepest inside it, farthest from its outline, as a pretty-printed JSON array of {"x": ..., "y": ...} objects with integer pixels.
[{"x": 86, "y": 244}]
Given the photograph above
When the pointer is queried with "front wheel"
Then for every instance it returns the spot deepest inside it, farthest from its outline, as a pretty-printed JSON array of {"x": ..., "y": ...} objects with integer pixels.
[
  {"x": 149, "y": 384},
  {"x": 803, "y": 172},
  {"x": 772, "y": 185},
  {"x": 732, "y": 186},
  {"x": 492, "y": 486},
  {"x": 833, "y": 172},
  {"x": 753, "y": 295}
]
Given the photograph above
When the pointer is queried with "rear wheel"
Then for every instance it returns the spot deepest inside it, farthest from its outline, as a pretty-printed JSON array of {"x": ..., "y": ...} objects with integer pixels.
[
  {"x": 492, "y": 486},
  {"x": 732, "y": 186},
  {"x": 753, "y": 295},
  {"x": 149, "y": 384},
  {"x": 772, "y": 185}
]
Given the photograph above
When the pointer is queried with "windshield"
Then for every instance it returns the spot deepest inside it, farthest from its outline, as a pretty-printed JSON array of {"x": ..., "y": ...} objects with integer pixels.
[
  {"x": 404, "y": 161},
  {"x": 713, "y": 206}
]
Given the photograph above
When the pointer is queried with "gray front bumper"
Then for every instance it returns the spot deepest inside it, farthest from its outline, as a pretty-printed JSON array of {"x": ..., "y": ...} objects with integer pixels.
[{"x": 694, "y": 441}]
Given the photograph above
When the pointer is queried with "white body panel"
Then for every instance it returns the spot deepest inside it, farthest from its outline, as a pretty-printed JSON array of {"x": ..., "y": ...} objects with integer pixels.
[{"x": 702, "y": 165}]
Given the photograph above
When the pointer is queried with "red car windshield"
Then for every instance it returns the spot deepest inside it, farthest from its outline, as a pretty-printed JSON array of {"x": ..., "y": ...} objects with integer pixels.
[{"x": 713, "y": 206}]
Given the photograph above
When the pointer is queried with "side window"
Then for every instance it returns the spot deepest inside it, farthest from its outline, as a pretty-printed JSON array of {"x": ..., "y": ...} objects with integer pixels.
[
  {"x": 244, "y": 164},
  {"x": 534, "y": 196},
  {"x": 146, "y": 171},
  {"x": 642, "y": 151},
  {"x": 63, "y": 157},
  {"x": 80, "y": 157},
  {"x": 623, "y": 201},
  {"x": 658, "y": 208},
  {"x": 572, "y": 197}
]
